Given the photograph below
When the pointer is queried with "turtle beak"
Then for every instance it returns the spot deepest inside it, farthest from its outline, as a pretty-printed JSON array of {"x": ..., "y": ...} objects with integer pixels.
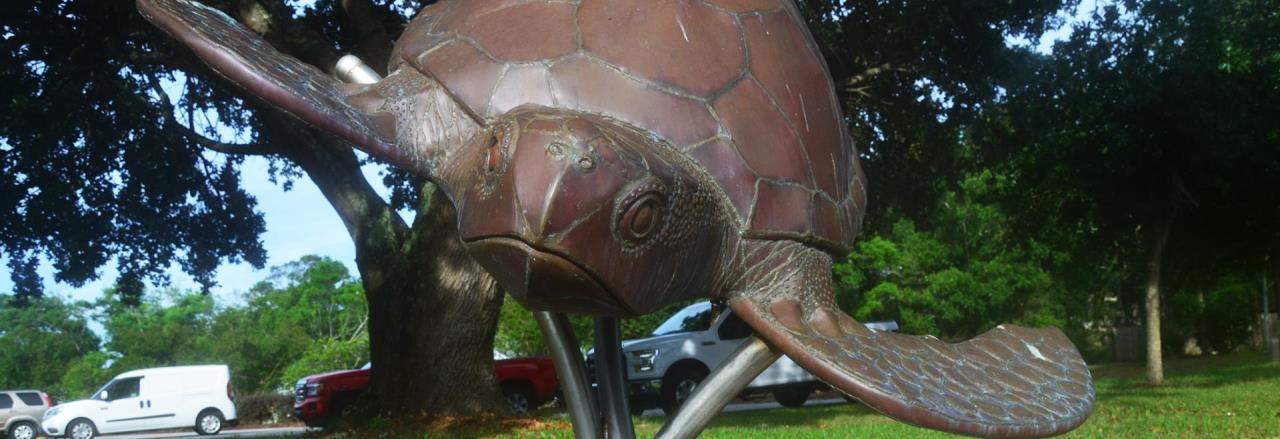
[{"x": 544, "y": 281}]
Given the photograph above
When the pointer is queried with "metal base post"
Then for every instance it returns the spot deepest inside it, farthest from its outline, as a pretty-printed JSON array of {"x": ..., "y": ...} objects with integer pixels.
[
  {"x": 571, "y": 371},
  {"x": 715, "y": 392},
  {"x": 612, "y": 379},
  {"x": 586, "y": 413}
]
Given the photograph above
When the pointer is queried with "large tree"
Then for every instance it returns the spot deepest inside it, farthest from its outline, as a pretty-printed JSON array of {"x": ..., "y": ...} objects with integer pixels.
[
  {"x": 1147, "y": 133},
  {"x": 114, "y": 147},
  {"x": 39, "y": 339},
  {"x": 912, "y": 75}
]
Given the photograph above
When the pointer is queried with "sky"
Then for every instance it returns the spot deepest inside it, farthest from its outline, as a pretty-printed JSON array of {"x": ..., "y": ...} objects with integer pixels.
[{"x": 301, "y": 222}]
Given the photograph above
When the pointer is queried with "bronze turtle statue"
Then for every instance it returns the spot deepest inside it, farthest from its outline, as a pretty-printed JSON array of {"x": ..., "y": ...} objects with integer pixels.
[{"x": 610, "y": 157}]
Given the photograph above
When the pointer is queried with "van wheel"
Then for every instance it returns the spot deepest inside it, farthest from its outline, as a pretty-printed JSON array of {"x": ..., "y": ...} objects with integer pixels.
[
  {"x": 81, "y": 429},
  {"x": 791, "y": 396},
  {"x": 23, "y": 430},
  {"x": 678, "y": 385},
  {"x": 209, "y": 422}
]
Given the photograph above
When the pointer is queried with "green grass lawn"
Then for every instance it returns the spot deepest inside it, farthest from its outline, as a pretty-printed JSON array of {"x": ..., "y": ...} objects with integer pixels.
[{"x": 1223, "y": 397}]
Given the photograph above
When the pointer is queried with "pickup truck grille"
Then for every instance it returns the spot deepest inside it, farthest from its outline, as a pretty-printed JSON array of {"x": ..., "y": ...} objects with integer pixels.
[{"x": 299, "y": 393}]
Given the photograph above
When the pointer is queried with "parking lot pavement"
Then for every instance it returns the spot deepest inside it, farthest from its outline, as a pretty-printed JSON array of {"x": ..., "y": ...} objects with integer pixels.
[{"x": 228, "y": 433}]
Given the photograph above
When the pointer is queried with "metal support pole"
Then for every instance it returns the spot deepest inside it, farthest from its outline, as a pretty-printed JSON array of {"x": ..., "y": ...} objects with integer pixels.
[
  {"x": 746, "y": 363},
  {"x": 611, "y": 378},
  {"x": 572, "y": 373},
  {"x": 352, "y": 70}
]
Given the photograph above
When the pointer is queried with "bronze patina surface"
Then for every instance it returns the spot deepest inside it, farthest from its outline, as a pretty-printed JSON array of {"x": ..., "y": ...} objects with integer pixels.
[{"x": 612, "y": 157}]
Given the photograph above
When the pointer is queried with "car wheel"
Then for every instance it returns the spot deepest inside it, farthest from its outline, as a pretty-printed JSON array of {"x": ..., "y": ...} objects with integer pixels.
[
  {"x": 519, "y": 398},
  {"x": 791, "y": 396},
  {"x": 23, "y": 430},
  {"x": 81, "y": 429},
  {"x": 678, "y": 385},
  {"x": 209, "y": 422}
]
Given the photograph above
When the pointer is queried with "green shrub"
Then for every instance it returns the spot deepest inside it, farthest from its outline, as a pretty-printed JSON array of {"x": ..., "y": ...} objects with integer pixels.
[
  {"x": 327, "y": 355},
  {"x": 264, "y": 408}
]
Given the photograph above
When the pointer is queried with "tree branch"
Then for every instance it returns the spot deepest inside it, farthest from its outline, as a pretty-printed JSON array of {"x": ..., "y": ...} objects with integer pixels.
[
  {"x": 171, "y": 121},
  {"x": 857, "y": 79},
  {"x": 374, "y": 226},
  {"x": 274, "y": 22},
  {"x": 148, "y": 58}
]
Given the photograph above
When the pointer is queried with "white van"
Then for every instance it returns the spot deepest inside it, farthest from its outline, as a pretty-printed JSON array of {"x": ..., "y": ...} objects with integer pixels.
[{"x": 150, "y": 399}]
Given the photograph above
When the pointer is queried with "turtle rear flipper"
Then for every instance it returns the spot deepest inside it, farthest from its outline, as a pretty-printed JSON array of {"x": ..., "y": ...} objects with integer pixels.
[{"x": 1008, "y": 382}]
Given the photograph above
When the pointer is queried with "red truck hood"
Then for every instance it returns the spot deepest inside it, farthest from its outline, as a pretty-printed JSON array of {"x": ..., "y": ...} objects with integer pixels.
[
  {"x": 545, "y": 361},
  {"x": 336, "y": 374}
]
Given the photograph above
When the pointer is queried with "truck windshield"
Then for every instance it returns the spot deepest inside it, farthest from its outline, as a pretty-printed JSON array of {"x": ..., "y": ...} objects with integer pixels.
[{"x": 693, "y": 318}]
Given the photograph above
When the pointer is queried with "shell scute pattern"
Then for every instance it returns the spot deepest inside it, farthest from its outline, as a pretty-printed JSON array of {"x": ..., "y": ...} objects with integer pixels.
[{"x": 738, "y": 85}]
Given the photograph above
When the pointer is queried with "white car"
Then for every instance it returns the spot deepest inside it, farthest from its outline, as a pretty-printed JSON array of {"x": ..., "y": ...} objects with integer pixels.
[
  {"x": 198, "y": 397},
  {"x": 663, "y": 370}
]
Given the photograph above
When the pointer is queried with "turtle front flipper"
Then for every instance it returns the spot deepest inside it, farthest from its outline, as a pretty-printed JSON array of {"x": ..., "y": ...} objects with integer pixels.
[
  {"x": 1008, "y": 382},
  {"x": 407, "y": 119}
]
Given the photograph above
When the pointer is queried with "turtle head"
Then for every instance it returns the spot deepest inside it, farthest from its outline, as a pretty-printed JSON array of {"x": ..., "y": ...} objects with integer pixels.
[{"x": 575, "y": 212}]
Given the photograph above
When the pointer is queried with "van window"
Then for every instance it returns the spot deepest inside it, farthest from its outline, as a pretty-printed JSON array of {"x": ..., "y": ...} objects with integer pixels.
[
  {"x": 5, "y": 401},
  {"x": 121, "y": 388},
  {"x": 31, "y": 398}
]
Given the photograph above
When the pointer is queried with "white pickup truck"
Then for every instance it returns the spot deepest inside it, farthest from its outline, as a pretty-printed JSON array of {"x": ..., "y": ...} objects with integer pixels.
[{"x": 664, "y": 369}]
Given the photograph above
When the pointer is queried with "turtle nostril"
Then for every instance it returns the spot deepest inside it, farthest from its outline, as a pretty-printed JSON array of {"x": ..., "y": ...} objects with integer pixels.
[{"x": 493, "y": 156}]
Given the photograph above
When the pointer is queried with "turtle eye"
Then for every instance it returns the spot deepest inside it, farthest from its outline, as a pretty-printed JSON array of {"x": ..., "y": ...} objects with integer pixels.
[{"x": 641, "y": 217}]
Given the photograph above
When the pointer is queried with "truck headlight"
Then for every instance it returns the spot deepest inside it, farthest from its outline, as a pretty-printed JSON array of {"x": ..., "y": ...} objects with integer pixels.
[
  {"x": 314, "y": 389},
  {"x": 52, "y": 412},
  {"x": 643, "y": 359}
]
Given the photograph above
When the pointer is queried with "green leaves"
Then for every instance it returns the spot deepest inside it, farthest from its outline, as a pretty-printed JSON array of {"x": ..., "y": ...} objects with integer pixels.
[
  {"x": 40, "y": 339},
  {"x": 956, "y": 279},
  {"x": 309, "y": 317}
]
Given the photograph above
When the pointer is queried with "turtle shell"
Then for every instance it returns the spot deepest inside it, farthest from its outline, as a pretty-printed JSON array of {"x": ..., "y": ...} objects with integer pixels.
[{"x": 739, "y": 85}]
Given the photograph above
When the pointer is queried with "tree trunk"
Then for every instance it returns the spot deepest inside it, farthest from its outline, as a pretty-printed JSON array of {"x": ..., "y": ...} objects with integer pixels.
[
  {"x": 1159, "y": 236},
  {"x": 433, "y": 314},
  {"x": 433, "y": 311}
]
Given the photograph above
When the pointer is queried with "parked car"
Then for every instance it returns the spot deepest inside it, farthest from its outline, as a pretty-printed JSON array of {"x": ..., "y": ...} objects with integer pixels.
[
  {"x": 527, "y": 383},
  {"x": 319, "y": 399},
  {"x": 20, "y": 412},
  {"x": 199, "y": 397},
  {"x": 663, "y": 369}
]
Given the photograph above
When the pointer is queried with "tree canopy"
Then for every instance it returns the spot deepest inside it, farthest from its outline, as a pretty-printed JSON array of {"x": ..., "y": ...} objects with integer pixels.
[
  {"x": 308, "y": 317},
  {"x": 1147, "y": 133}
]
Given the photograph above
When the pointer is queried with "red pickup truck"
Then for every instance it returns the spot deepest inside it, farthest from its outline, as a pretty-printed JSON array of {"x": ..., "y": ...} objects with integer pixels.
[{"x": 526, "y": 383}]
